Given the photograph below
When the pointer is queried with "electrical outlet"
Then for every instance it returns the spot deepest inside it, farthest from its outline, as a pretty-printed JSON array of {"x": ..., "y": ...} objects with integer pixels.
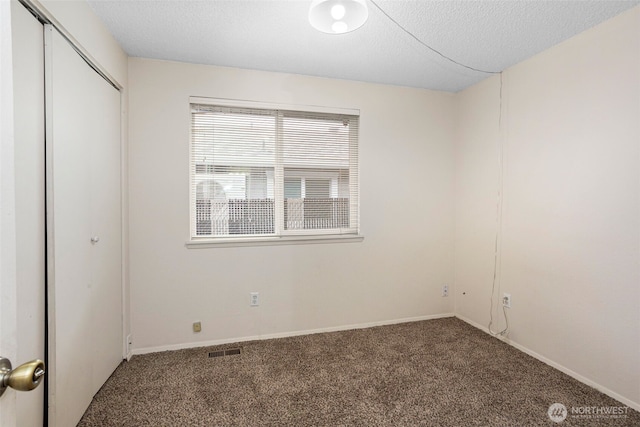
[
  {"x": 197, "y": 327},
  {"x": 506, "y": 300},
  {"x": 445, "y": 290},
  {"x": 255, "y": 299}
]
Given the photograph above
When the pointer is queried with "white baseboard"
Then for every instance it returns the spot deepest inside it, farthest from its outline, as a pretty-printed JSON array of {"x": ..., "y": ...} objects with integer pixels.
[
  {"x": 561, "y": 368},
  {"x": 182, "y": 346}
]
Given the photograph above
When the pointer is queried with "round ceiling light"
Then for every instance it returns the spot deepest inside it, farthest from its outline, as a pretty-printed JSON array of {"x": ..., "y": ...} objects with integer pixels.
[{"x": 338, "y": 16}]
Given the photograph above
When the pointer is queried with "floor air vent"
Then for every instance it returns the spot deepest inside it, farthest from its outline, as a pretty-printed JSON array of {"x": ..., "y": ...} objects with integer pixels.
[{"x": 225, "y": 352}]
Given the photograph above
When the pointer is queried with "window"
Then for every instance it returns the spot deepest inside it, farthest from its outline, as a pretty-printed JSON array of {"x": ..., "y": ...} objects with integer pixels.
[{"x": 272, "y": 172}]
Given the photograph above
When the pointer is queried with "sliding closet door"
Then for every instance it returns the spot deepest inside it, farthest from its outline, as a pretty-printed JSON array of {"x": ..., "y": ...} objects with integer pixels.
[
  {"x": 28, "y": 102},
  {"x": 83, "y": 230},
  {"x": 106, "y": 225}
]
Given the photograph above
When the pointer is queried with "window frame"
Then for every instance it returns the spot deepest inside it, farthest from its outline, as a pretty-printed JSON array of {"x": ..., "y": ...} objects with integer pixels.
[{"x": 285, "y": 236}]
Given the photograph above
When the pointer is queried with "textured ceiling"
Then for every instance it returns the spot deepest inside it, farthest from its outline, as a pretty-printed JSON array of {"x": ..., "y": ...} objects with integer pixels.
[{"x": 275, "y": 35}]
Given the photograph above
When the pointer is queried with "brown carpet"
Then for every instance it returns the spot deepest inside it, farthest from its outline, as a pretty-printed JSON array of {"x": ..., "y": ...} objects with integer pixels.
[{"x": 431, "y": 373}]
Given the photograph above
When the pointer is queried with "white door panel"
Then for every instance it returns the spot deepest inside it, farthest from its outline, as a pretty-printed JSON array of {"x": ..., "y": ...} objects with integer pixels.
[
  {"x": 83, "y": 199},
  {"x": 69, "y": 231},
  {"x": 8, "y": 293},
  {"x": 106, "y": 214},
  {"x": 28, "y": 90}
]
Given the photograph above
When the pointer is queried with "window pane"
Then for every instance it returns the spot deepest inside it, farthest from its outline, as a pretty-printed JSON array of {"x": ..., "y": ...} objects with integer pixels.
[
  {"x": 315, "y": 141},
  {"x": 292, "y": 188},
  {"x": 233, "y": 137},
  {"x": 234, "y": 155},
  {"x": 316, "y": 149},
  {"x": 317, "y": 188},
  {"x": 235, "y": 201},
  {"x": 320, "y": 202}
]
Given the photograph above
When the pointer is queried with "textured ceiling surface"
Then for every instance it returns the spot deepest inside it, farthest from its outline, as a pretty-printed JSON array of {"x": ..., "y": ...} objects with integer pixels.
[{"x": 275, "y": 35}]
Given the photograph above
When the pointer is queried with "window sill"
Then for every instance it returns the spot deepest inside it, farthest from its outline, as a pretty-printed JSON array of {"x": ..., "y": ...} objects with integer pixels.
[{"x": 272, "y": 241}]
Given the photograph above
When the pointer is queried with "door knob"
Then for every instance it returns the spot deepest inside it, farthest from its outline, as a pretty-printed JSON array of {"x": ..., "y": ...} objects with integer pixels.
[{"x": 25, "y": 377}]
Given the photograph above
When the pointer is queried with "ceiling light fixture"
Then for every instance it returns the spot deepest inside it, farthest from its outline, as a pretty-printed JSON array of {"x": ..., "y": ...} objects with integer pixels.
[{"x": 338, "y": 16}]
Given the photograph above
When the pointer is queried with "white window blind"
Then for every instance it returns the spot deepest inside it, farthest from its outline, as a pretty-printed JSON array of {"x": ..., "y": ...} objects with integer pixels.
[{"x": 259, "y": 172}]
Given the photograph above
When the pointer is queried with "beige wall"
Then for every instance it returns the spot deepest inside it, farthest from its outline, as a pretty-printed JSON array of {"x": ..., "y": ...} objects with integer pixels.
[
  {"x": 397, "y": 272},
  {"x": 570, "y": 253},
  {"x": 78, "y": 19}
]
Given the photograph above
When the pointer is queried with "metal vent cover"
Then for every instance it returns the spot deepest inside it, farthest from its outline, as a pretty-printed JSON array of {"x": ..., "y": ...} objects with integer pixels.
[{"x": 226, "y": 352}]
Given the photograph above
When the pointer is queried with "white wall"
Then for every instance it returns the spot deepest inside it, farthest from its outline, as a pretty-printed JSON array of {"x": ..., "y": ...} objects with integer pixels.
[
  {"x": 395, "y": 273},
  {"x": 78, "y": 19},
  {"x": 571, "y": 218}
]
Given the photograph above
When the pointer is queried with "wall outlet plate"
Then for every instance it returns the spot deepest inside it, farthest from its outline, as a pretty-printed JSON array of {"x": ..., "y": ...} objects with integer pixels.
[
  {"x": 445, "y": 290},
  {"x": 506, "y": 300},
  {"x": 197, "y": 327},
  {"x": 255, "y": 299}
]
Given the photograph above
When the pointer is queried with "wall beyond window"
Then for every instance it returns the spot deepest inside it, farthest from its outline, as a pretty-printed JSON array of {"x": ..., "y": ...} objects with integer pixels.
[{"x": 397, "y": 271}]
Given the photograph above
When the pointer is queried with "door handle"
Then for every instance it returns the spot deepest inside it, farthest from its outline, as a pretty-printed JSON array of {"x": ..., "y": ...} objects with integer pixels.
[{"x": 25, "y": 377}]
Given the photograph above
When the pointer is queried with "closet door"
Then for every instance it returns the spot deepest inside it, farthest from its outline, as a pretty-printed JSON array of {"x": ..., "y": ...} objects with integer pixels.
[
  {"x": 28, "y": 100},
  {"x": 83, "y": 230}
]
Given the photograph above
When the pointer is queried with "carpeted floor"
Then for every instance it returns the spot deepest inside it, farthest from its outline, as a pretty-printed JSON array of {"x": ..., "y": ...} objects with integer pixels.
[{"x": 431, "y": 373}]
